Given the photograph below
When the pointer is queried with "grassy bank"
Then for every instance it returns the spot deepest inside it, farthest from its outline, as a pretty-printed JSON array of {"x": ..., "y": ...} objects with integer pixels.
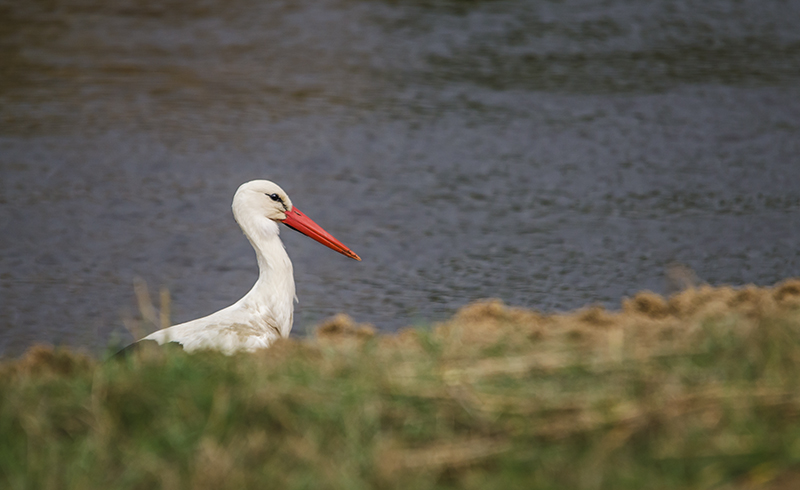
[{"x": 699, "y": 390}]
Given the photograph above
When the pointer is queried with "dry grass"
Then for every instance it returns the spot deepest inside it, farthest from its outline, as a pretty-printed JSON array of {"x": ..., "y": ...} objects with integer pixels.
[{"x": 698, "y": 390}]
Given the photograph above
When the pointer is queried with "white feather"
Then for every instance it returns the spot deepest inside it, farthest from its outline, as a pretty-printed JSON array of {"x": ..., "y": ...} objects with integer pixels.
[{"x": 265, "y": 313}]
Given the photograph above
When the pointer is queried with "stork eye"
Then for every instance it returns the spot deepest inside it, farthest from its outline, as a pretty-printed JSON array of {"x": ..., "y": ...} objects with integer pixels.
[{"x": 275, "y": 197}]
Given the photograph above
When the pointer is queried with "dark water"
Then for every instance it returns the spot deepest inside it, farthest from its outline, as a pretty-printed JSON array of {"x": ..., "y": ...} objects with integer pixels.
[{"x": 550, "y": 153}]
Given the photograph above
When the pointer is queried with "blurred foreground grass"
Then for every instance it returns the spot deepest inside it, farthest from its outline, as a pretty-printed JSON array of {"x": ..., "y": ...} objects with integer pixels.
[{"x": 696, "y": 391}]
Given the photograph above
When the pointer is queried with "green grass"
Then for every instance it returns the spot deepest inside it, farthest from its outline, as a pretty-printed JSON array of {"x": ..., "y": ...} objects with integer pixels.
[{"x": 698, "y": 391}]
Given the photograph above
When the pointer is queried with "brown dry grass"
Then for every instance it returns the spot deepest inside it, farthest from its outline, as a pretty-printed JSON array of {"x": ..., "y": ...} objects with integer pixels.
[{"x": 697, "y": 390}]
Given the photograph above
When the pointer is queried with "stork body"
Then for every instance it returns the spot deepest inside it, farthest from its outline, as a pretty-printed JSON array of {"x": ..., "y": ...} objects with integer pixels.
[{"x": 265, "y": 313}]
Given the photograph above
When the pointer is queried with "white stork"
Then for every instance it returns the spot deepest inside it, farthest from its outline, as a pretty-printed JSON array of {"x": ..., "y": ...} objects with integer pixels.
[{"x": 265, "y": 313}]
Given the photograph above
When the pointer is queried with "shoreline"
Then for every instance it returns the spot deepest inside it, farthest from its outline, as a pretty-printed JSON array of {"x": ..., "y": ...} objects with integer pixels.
[{"x": 696, "y": 390}]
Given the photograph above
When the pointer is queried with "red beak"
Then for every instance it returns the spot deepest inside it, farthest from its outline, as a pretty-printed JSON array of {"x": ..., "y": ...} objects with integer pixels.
[{"x": 298, "y": 221}]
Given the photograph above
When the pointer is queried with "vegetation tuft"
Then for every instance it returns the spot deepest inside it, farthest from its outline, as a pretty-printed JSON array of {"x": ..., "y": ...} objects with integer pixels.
[{"x": 699, "y": 390}]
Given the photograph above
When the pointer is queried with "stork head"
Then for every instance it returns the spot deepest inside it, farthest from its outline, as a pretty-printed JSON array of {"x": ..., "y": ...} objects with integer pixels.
[{"x": 265, "y": 199}]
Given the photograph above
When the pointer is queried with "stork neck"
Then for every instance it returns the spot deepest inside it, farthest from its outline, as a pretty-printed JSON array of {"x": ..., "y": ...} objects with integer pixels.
[
  {"x": 272, "y": 296},
  {"x": 273, "y": 261}
]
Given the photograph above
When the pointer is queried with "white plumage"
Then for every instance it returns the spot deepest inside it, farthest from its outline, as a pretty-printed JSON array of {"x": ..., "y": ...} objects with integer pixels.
[{"x": 265, "y": 313}]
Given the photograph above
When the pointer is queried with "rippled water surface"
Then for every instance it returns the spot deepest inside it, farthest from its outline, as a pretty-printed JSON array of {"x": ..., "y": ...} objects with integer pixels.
[{"x": 553, "y": 154}]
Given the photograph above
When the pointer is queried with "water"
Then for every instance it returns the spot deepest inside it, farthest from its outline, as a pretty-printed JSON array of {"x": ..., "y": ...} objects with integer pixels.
[{"x": 552, "y": 154}]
